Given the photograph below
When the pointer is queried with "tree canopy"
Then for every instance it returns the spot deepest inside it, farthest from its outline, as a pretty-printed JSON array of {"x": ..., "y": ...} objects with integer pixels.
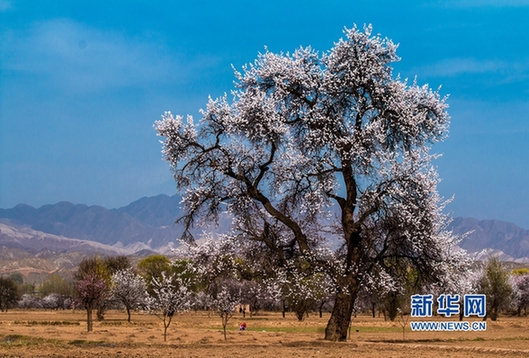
[
  {"x": 8, "y": 294},
  {"x": 320, "y": 147}
]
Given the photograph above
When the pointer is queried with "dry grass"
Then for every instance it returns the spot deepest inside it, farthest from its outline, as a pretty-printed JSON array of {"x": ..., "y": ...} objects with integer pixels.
[{"x": 63, "y": 334}]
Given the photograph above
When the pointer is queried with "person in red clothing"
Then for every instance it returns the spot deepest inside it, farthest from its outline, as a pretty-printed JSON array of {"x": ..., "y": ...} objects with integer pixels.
[{"x": 242, "y": 327}]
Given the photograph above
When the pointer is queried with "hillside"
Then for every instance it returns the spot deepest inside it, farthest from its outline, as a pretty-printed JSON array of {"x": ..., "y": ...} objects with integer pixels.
[
  {"x": 148, "y": 220},
  {"x": 496, "y": 237},
  {"x": 60, "y": 235},
  {"x": 36, "y": 254}
]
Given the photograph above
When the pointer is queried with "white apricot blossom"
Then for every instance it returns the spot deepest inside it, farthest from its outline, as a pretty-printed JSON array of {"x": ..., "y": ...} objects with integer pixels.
[{"x": 317, "y": 150}]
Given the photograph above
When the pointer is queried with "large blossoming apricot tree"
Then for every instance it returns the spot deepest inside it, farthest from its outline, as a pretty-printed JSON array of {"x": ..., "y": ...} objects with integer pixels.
[{"x": 314, "y": 147}]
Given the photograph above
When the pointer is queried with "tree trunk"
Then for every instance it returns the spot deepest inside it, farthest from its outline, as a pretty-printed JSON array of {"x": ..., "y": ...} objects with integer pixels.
[
  {"x": 494, "y": 314},
  {"x": 100, "y": 312},
  {"x": 128, "y": 314},
  {"x": 166, "y": 322},
  {"x": 338, "y": 324},
  {"x": 89, "y": 319},
  {"x": 225, "y": 318}
]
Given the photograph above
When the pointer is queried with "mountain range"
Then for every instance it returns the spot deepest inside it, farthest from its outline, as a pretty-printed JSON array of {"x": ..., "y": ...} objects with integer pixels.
[
  {"x": 493, "y": 237},
  {"x": 147, "y": 225},
  {"x": 148, "y": 220}
]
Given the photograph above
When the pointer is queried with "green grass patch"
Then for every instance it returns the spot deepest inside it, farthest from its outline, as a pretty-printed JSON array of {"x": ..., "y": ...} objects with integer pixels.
[
  {"x": 84, "y": 342},
  {"x": 20, "y": 340},
  {"x": 12, "y": 338},
  {"x": 306, "y": 329},
  {"x": 48, "y": 323},
  {"x": 126, "y": 323},
  {"x": 286, "y": 329},
  {"x": 370, "y": 329},
  {"x": 257, "y": 318},
  {"x": 516, "y": 338},
  {"x": 273, "y": 329}
]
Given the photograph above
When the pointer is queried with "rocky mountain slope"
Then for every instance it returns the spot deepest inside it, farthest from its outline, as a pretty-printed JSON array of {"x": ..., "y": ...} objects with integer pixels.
[
  {"x": 55, "y": 237},
  {"x": 17, "y": 237},
  {"x": 148, "y": 221},
  {"x": 493, "y": 237}
]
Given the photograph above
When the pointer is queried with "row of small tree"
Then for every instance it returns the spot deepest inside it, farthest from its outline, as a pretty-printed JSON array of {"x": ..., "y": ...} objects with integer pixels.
[
  {"x": 216, "y": 276},
  {"x": 158, "y": 286},
  {"x": 54, "y": 293},
  {"x": 505, "y": 291}
]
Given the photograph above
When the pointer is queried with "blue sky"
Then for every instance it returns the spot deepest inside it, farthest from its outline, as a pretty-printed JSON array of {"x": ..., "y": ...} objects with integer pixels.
[{"x": 81, "y": 84}]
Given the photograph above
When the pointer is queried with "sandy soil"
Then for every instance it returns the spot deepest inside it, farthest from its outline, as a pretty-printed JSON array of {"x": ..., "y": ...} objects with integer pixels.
[{"x": 196, "y": 334}]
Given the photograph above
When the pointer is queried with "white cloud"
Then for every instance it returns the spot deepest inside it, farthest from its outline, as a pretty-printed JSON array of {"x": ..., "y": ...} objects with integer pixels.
[
  {"x": 479, "y": 3},
  {"x": 495, "y": 71},
  {"x": 5, "y": 5},
  {"x": 493, "y": 3},
  {"x": 459, "y": 66},
  {"x": 79, "y": 58}
]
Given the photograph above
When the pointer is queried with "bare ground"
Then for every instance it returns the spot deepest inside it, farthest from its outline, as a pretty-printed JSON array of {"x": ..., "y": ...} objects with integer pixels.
[{"x": 26, "y": 333}]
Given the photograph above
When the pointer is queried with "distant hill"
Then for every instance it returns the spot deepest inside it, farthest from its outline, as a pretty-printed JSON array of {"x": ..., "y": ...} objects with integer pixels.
[
  {"x": 33, "y": 241},
  {"x": 155, "y": 211},
  {"x": 147, "y": 225},
  {"x": 147, "y": 220},
  {"x": 493, "y": 237},
  {"x": 36, "y": 254}
]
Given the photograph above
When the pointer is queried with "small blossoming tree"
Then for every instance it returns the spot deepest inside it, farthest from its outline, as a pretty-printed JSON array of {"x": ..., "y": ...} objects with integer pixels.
[
  {"x": 92, "y": 290},
  {"x": 520, "y": 283},
  {"x": 130, "y": 289},
  {"x": 170, "y": 295},
  {"x": 227, "y": 299}
]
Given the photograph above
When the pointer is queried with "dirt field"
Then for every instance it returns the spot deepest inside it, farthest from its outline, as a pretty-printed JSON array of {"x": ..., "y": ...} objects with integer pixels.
[{"x": 63, "y": 334}]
